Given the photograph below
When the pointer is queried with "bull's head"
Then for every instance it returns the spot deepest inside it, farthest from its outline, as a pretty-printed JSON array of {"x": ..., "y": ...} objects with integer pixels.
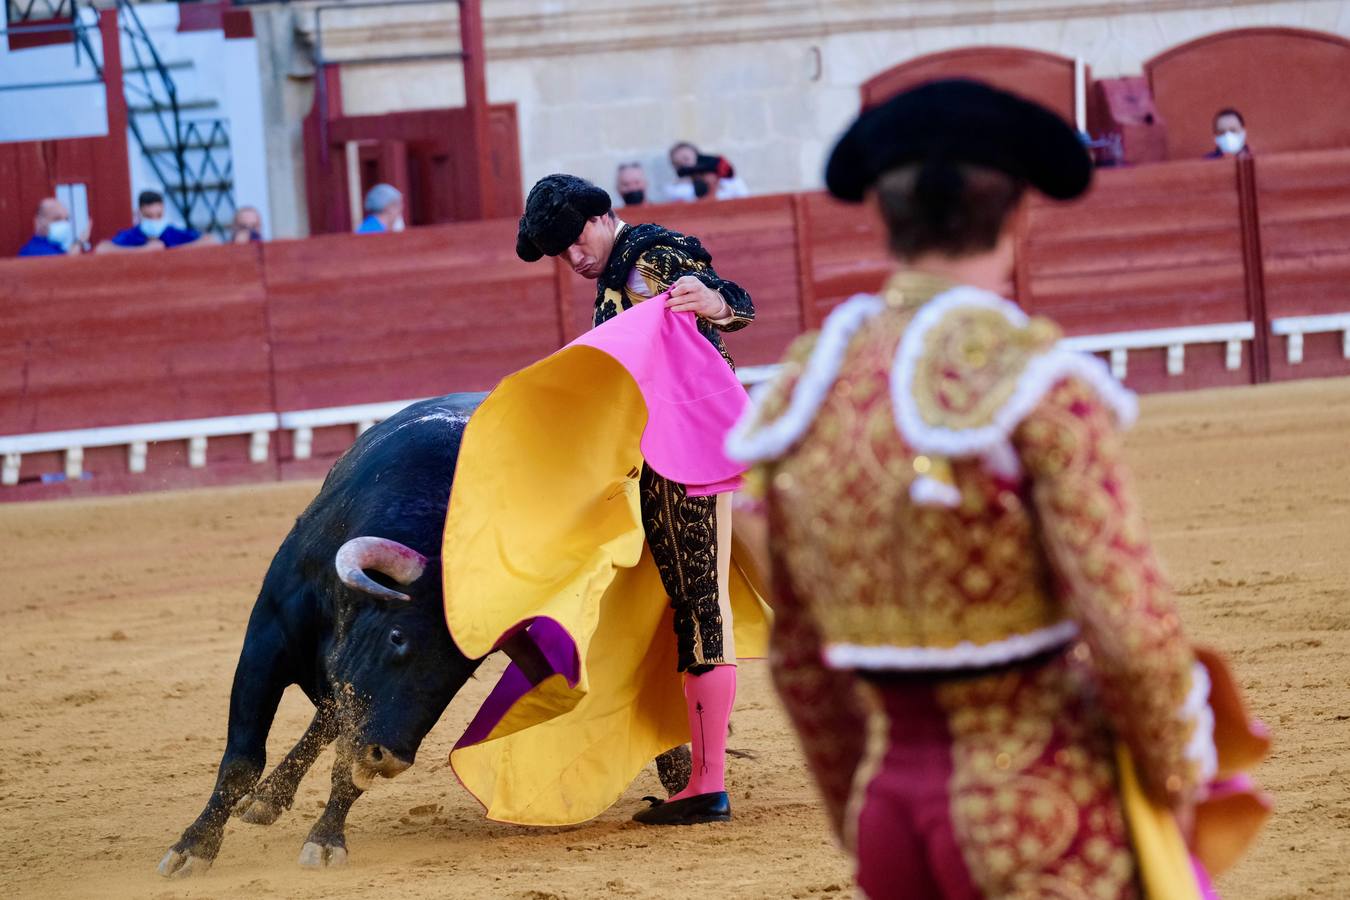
[{"x": 392, "y": 665}]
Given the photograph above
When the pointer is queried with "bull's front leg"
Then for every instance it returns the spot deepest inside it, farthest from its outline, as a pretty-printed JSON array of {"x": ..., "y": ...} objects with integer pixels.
[
  {"x": 276, "y": 793},
  {"x": 327, "y": 841},
  {"x": 254, "y": 697}
]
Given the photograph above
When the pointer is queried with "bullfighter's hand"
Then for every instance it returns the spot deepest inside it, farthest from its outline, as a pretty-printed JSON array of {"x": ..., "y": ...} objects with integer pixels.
[{"x": 688, "y": 294}]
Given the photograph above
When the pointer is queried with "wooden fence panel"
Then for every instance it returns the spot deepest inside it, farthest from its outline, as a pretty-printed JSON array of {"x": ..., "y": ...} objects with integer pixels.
[
  {"x": 370, "y": 318},
  {"x": 128, "y": 338},
  {"x": 1152, "y": 247},
  {"x": 1304, "y": 202}
]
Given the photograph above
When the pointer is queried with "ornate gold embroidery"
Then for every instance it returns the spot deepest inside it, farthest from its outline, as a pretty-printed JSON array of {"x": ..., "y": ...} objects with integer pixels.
[
  {"x": 1033, "y": 790},
  {"x": 970, "y": 365},
  {"x": 1112, "y": 585},
  {"x": 878, "y": 569}
]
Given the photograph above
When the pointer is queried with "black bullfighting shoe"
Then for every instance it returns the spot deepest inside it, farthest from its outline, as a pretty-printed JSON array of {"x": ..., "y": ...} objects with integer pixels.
[{"x": 695, "y": 810}]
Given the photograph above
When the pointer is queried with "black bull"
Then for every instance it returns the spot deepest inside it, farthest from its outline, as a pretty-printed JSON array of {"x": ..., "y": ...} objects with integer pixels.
[{"x": 351, "y": 611}]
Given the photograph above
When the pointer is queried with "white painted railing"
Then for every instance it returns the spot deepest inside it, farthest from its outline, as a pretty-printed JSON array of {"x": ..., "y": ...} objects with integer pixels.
[
  {"x": 1119, "y": 344},
  {"x": 302, "y": 423},
  {"x": 364, "y": 416},
  {"x": 136, "y": 438},
  {"x": 1293, "y": 328}
]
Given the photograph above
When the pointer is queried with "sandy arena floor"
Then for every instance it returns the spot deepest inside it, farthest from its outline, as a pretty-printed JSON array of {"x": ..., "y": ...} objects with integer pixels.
[{"x": 121, "y": 619}]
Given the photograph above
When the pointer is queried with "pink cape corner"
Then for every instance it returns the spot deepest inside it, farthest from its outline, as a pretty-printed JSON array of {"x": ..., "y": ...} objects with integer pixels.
[{"x": 693, "y": 397}]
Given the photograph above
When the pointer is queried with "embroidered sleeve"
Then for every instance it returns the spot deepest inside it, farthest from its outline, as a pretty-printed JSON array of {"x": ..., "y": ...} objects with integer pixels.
[
  {"x": 824, "y": 704},
  {"x": 1110, "y": 582},
  {"x": 664, "y": 264}
]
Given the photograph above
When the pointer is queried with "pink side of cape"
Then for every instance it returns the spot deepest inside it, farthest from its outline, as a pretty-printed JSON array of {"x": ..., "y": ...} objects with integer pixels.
[{"x": 693, "y": 397}]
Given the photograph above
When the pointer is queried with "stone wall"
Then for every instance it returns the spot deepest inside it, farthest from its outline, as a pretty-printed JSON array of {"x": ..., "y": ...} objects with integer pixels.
[{"x": 767, "y": 84}]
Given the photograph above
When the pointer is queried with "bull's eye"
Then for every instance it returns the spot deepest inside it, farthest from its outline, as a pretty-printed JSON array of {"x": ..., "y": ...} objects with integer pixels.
[{"x": 397, "y": 639}]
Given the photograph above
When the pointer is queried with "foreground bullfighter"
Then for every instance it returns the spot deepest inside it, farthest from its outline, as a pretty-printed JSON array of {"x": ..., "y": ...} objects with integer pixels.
[{"x": 351, "y": 611}]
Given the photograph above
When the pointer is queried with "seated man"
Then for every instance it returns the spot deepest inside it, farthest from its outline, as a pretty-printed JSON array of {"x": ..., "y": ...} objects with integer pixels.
[
  {"x": 53, "y": 234},
  {"x": 1230, "y": 135},
  {"x": 152, "y": 230},
  {"x": 247, "y": 225},
  {"x": 384, "y": 210},
  {"x": 631, "y": 182}
]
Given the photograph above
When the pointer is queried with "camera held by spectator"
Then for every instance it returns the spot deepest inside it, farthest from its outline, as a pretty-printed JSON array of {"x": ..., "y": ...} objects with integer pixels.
[{"x": 703, "y": 175}]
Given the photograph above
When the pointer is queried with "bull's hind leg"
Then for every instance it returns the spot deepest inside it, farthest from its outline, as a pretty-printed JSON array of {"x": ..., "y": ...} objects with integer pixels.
[
  {"x": 327, "y": 841},
  {"x": 275, "y": 794},
  {"x": 258, "y": 684}
]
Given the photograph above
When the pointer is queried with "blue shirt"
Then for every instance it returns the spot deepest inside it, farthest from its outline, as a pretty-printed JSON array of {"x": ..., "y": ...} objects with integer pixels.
[
  {"x": 172, "y": 237},
  {"x": 371, "y": 225},
  {"x": 39, "y": 245}
]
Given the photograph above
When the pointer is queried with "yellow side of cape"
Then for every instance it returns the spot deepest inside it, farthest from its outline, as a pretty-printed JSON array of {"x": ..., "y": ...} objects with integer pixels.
[{"x": 544, "y": 521}]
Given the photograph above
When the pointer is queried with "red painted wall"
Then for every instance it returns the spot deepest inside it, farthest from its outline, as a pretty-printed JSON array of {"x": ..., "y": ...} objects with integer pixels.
[
  {"x": 1291, "y": 86},
  {"x": 1043, "y": 77}
]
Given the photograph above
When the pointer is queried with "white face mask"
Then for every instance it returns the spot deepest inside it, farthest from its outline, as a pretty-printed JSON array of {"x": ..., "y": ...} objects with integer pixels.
[
  {"x": 61, "y": 233},
  {"x": 398, "y": 224},
  {"x": 1231, "y": 142},
  {"x": 153, "y": 228}
]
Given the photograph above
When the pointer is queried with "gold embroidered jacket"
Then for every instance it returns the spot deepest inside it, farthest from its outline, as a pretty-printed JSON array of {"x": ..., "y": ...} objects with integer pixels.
[
  {"x": 946, "y": 493},
  {"x": 647, "y": 259}
]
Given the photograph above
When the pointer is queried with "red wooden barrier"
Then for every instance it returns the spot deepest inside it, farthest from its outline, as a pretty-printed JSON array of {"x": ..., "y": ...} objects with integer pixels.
[
  {"x": 1304, "y": 203},
  {"x": 342, "y": 320},
  {"x": 119, "y": 339},
  {"x": 1149, "y": 248},
  {"x": 369, "y": 318}
]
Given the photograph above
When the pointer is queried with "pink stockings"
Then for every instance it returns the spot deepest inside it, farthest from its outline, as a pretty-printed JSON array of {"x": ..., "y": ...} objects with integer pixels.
[{"x": 708, "y": 698}]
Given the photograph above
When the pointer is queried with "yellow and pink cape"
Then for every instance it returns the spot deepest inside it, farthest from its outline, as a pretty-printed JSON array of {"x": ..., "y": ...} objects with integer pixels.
[{"x": 544, "y": 534}]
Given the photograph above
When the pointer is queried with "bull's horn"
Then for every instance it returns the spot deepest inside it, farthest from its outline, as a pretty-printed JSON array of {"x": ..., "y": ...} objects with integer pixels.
[{"x": 403, "y": 564}]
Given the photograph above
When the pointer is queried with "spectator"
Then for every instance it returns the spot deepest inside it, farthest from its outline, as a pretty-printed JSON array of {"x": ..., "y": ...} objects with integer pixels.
[
  {"x": 152, "y": 230},
  {"x": 631, "y": 182},
  {"x": 53, "y": 234},
  {"x": 703, "y": 175},
  {"x": 1230, "y": 135},
  {"x": 384, "y": 210},
  {"x": 247, "y": 225}
]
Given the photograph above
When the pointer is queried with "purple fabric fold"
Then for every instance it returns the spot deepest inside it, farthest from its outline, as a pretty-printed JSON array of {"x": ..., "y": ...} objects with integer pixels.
[{"x": 557, "y": 647}]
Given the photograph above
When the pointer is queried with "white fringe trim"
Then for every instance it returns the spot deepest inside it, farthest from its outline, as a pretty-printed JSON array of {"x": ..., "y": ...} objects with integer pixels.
[
  {"x": 749, "y": 445},
  {"x": 1041, "y": 374},
  {"x": 925, "y": 491},
  {"x": 964, "y": 655},
  {"x": 1196, "y": 710}
]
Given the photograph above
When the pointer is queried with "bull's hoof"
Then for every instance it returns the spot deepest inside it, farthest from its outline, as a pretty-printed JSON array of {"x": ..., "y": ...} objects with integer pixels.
[
  {"x": 178, "y": 864},
  {"x": 257, "y": 811},
  {"x": 322, "y": 856}
]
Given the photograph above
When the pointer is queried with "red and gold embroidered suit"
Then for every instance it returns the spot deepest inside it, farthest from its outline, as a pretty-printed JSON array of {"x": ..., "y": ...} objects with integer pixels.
[{"x": 957, "y": 553}]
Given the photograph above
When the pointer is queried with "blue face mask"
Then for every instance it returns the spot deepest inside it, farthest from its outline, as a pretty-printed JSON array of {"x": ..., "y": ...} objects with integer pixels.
[
  {"x": 153, "y": 228},
  {"x": 61, "y": 233}
]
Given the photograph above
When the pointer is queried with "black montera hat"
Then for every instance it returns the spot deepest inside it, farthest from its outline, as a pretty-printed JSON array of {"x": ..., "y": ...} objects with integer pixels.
[
  {"x": 555, "y": 212},
  {"x": 958, "y": 120}
]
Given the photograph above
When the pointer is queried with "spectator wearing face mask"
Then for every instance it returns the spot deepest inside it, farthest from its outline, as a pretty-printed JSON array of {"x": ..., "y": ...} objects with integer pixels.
[
  {"x": 247, "y": 225},
  {"x": 53, "y": 233},
  {"x": 631, "y": 183},
  {"x": 702, "y": 175},
  {"x": 384, "y": 210},
  {"x": 1230, "y": 135},
  {"x": 152, "y": 230}
]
